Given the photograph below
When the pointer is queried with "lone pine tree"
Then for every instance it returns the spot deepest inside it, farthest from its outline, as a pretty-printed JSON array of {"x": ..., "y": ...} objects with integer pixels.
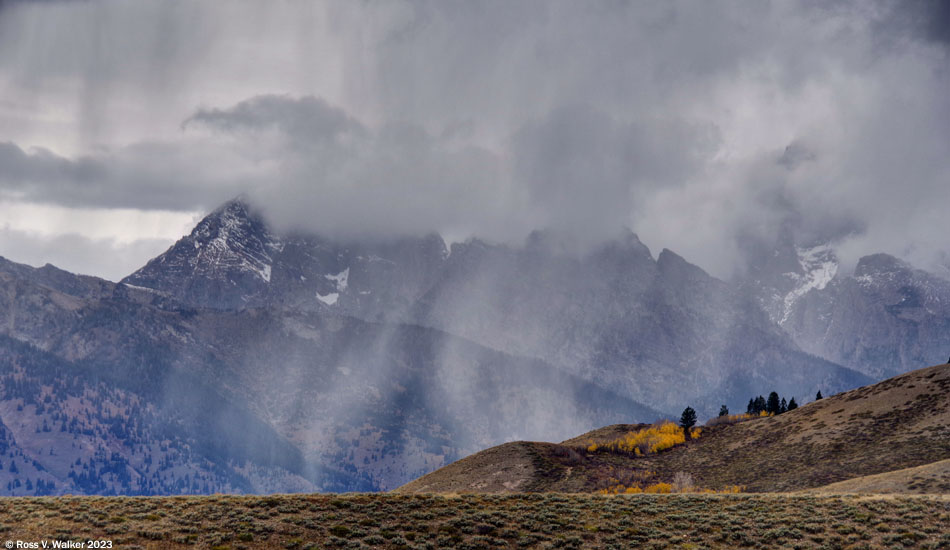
[{"x": 688, "y": 420}]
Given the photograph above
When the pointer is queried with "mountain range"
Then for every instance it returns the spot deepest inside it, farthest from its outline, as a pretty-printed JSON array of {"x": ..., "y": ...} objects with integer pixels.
[{"x": 244, "y": 359}]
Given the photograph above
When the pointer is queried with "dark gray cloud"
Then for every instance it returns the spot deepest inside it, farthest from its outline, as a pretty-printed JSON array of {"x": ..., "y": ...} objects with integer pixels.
[
  {"x": 926, "y": 20},
  {"x": 148, "y": 176},
  {"x": 305, "y": 121},
  {"x": 938, "y": 27},
  {"x": 693, "y": 124},
  {"x": 42, "y": 167}
]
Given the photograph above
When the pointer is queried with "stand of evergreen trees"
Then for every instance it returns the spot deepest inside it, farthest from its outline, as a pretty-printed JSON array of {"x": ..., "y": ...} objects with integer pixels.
[{"x": 772, "y": 405}]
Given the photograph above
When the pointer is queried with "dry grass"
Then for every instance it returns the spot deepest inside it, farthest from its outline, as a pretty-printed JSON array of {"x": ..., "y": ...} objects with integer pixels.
[
  {"x": 504, "y": 468},
  {"x": 927, "y": 479},
  {"x": 484, "y": 521}
]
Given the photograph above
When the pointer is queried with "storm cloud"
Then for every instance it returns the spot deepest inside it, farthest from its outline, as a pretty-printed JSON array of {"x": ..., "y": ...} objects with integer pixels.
[{"x": 697, "y": 125}]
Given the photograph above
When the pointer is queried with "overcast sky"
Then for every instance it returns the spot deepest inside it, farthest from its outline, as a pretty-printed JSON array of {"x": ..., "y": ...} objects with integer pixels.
[{"x": 695, "y": 124}]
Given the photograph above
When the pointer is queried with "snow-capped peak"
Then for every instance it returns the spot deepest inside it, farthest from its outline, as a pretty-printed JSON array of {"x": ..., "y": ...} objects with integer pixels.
[{"x": 231, "y": 236}]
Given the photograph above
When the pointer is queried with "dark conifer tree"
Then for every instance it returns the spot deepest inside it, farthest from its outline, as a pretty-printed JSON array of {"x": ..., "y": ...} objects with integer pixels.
[
  {"x": 751, "y": 408},
  {"x": 760, "y": 404},
  {"x": 817, "y": 397},
  {"x": 723, "y": 411},
  {"x": 783, "y": 406},
  {"x": 688, "y": 420},
  {"x": 772, "y": 405},
  {"x": 792, "y": 405}
]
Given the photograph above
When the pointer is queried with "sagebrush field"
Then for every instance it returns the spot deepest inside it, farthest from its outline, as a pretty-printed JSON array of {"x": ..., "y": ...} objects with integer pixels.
[{"x": 485, "y": 521}]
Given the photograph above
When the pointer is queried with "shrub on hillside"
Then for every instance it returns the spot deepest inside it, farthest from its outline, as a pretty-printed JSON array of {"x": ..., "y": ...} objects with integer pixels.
[
  {"x": 682, "y": 482},
  {"x": 569, "y": 455}
]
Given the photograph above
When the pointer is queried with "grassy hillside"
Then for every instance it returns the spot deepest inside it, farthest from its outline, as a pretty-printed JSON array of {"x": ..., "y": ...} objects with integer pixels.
[
  {"x": 482, "y": 521},
  {"x": 899, "y": 423},
  {"x": 927, "y": 479}
]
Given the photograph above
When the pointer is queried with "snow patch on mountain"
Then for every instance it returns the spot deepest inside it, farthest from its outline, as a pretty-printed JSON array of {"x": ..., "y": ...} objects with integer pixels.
[
  {"x": 143, "y": 289},
  {"x": 264, "y": 272},
  {"x": 340, "y": 279},
  {"x": 328, "y": 299},
  {"x": 819, "y": 266}
]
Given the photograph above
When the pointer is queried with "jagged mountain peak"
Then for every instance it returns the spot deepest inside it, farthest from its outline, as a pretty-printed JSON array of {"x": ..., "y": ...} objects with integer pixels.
[
  {"x": 233, "y": 259},
  {"x": 233, "y": 221},
  {"x": 678, "y": 274},
  {"x": 230, "y": 249},
  {"x": 671, "y": 260},
  {"x": 546, "y": 242},
  {"x": 625, "y": 253}
]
